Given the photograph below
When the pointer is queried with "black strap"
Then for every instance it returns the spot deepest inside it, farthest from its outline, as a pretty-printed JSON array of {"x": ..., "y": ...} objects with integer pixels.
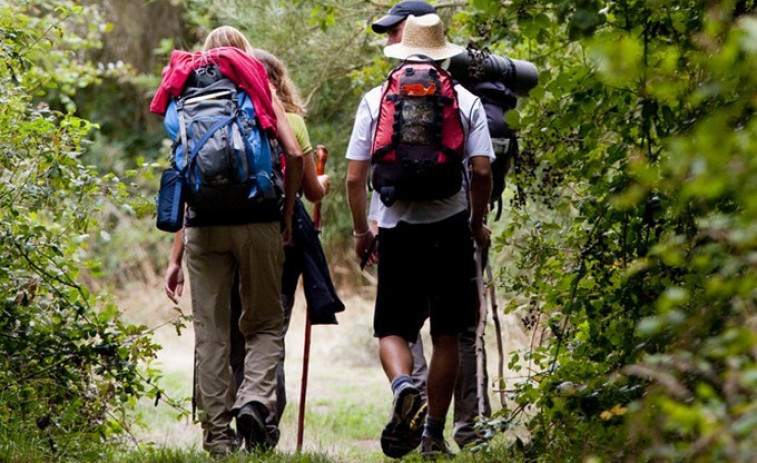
[
  {"x": 368, "y": 252},
  {"x": 381, "y": 152},
  {"x": 498, "y": 214}
]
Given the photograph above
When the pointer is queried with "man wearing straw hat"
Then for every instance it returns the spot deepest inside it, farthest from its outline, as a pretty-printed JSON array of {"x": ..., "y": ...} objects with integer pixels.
[
  {"x": 425, "y": 255},
  {"x": 471, "y": 399}
]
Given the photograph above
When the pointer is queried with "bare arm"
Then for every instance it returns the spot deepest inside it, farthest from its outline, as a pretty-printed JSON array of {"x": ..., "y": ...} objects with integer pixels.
[
  {"x": 174, "y": 282},
  {"x": 357, "y": 175},
  {"x": 480, "y": 189},
  {"x": 314, "y": 186},
  {"x": 294, "y": 165}
]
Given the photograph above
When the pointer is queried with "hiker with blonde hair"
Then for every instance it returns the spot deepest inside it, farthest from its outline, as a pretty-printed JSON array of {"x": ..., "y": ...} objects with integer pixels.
[
  {"x": 227, "y": 36},
  {"x": 248, "y": 239}
]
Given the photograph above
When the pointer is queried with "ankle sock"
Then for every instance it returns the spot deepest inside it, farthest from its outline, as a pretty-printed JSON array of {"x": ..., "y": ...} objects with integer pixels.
[
  {"x": 434, "y": 428},
  {"x": 399, "y": 382}
]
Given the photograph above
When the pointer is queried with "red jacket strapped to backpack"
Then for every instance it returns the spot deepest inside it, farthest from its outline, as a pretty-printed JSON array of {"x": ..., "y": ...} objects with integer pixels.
[{"x": 242, "y": 69}]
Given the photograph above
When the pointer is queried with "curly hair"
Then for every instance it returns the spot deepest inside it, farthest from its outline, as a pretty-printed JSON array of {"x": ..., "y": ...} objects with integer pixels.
[{"x": 279, "y": 77}]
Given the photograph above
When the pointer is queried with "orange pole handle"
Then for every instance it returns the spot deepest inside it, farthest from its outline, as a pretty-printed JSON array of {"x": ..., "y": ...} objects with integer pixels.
[{"x": 321, "y": 154}]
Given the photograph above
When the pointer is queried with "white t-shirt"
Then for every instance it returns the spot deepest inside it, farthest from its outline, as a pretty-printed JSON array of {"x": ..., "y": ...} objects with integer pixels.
[{"x": 477, "y": 143}]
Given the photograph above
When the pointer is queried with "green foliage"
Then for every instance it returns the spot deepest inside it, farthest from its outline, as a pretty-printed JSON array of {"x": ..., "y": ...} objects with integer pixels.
[
  {"x": 633, "y": 227},
  {"x": 69, "y": 365}
]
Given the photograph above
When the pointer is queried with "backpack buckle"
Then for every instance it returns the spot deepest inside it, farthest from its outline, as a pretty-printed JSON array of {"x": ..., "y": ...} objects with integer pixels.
[{"x": 501, "y": 145}]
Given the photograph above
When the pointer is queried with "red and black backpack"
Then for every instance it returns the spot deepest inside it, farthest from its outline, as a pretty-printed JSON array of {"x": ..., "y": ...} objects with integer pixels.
[{"x": 418, "y": 147}]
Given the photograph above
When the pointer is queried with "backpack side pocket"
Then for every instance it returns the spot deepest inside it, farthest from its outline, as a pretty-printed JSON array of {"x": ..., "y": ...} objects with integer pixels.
[{"x": 170, "y": 201}]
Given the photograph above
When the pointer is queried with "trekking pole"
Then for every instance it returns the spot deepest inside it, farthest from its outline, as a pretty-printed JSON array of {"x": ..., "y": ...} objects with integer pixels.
[
  {"x": 498, "y": 330},
  {"x": 320, "y": 165},
  {"x": 480, "y": 367}
]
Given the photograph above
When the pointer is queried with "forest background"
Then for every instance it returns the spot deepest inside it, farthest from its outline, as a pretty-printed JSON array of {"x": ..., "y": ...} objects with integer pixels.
[{"x": 628, "y": 246}]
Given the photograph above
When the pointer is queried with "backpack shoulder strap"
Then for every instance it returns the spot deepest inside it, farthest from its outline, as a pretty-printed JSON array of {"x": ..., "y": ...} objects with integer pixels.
[
  {"x": 183, "y": 134},
  {"x": 218, "y": 125}
]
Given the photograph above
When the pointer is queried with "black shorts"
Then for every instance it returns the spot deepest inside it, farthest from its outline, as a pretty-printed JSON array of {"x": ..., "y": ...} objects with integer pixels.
[{"x": 426, "y": 270}]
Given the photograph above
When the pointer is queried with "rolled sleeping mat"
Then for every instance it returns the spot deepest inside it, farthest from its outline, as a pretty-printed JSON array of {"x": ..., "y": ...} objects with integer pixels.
[{"x": 473, "y": 66}]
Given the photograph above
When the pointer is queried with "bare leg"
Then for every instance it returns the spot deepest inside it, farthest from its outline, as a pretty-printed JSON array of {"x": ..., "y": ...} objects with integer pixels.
[
  {"x": 442, "y": 372},
  {"x": 404, "y": 430},
  {"x": 396, "y": 357}
]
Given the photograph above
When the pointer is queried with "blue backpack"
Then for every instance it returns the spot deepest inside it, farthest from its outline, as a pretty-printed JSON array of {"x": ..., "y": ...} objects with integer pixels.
[{"x": 222, "y": 156}]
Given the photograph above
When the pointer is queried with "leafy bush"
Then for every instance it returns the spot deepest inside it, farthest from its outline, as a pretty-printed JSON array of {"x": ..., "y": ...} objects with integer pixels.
[
  {"x": 633, "y": 227},
  {"x": 69, "y": 365}
]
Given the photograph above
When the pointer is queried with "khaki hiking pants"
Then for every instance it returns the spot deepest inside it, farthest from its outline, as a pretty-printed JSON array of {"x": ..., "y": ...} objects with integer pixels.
[{"x": 212, "y": 255}]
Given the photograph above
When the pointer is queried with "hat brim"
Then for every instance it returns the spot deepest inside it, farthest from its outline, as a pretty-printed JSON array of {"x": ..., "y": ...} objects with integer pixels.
[
  {"x": 386, "y": 23},
  {"x": 399, "y": 51}
]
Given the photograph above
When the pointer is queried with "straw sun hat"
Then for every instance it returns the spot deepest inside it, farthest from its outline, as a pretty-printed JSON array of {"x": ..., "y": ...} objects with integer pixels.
[{"x": 423, "y": 35}]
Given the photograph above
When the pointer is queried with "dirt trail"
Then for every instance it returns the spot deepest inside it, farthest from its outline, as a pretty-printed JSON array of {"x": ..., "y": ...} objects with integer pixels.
[{"x": 344, "y": 355}]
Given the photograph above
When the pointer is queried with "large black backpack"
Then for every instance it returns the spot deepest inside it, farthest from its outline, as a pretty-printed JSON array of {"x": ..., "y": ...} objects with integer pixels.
[
  {"x": 489, "y": 77},
  {"x": 224, "y": 154},
  {"x": 221, "y": 159},
  {"x": 497, "y": 99}
]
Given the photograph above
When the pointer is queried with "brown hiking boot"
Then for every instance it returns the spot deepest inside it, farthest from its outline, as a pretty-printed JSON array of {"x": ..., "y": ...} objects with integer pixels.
[{"x": 435, "y": 449}]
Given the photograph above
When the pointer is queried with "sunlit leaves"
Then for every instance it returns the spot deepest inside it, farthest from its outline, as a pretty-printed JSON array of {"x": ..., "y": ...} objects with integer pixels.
[
  {"x": 619, "y": 58},
  {"x": 644, "y": 108},
  {"x": 67, "y": 360}
]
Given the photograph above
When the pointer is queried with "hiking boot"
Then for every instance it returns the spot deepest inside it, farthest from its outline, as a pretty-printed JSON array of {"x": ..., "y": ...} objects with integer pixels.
[
  {"x": 238, "y": 439},
  {"x": 404, "y": 430},
  {"x": 274, "y": 434},
  {"x": 219, "y": 444},
  {"x": 469, "y": 436},
  {"x": 251, "y": 427},
  {"x": 435, "y": 449},
  {"x": 218, "y": 453}
]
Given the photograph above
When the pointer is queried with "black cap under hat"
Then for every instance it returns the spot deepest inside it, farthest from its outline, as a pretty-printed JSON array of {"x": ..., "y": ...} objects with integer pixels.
[{"x": 400, "y": 12}]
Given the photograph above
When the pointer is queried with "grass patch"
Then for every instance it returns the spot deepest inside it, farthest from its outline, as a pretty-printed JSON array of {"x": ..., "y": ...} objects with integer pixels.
[
  {"x": 348, "y": 420},
  {"x": 173, "y": 455},
  {"x": 496, "y": 452}
]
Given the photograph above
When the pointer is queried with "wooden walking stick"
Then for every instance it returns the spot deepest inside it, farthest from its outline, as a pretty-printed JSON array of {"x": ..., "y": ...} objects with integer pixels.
[
  {"x": 480, "y": 367},
  {"x": 320, "y": 165},
  {"x": 488, "y": 295},
  {"x": 498, "y": 328}
]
